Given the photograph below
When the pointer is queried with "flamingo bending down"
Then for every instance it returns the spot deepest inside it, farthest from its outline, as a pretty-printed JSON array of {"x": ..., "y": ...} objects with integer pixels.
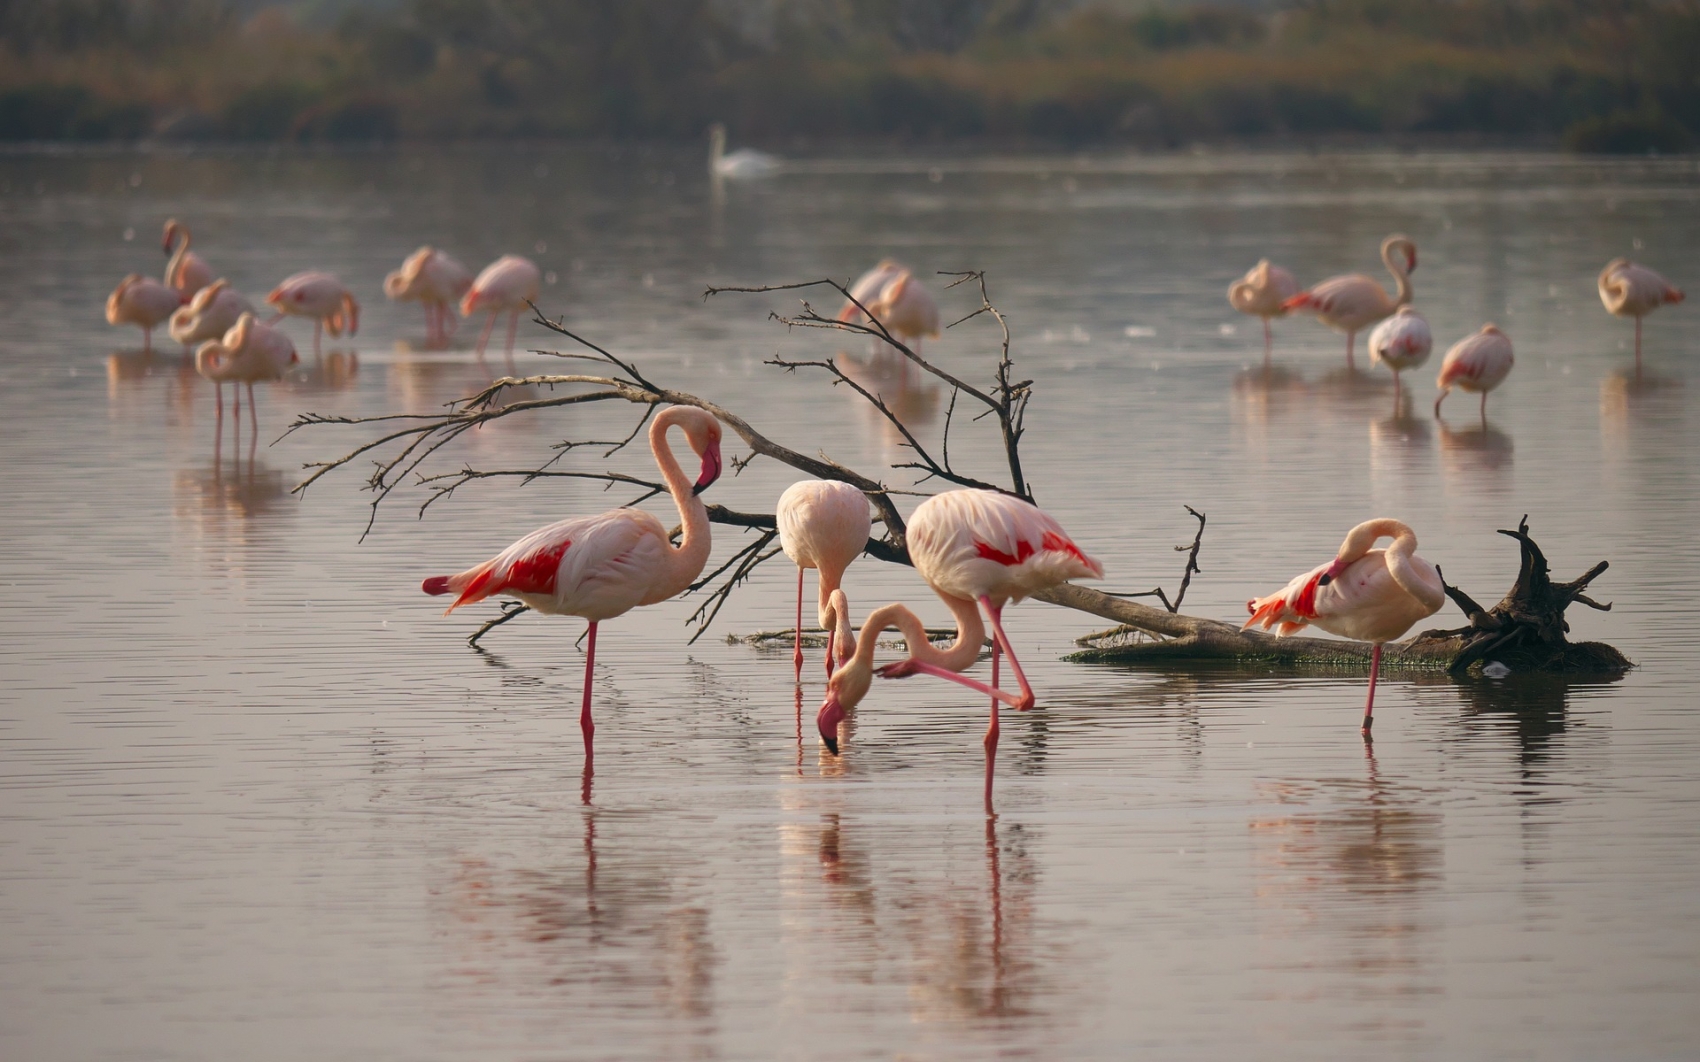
[
  {"x": 823, "y": 524},
  {"x": 249, "y": 351},
  {"x": 897, "y": 300},
  {"x": 141, "y": 301},
  {"x": 1371, "y": 595},
  {"x": 1401, "y": 342},
  {"x": 1351, "y": 303},
  {"x": 509, "y": 283},
  {"x": 599, "y": 567},
  {"x": 435, "y": 279},
  {"x": 1476, "y": 363},
  {"x": 1263, "y": 292},
  {"x": 213, "y": 311},
  {"x": 186, "y": 271},
  {"x": 320, "y": 296},
  {"x": 1632, "y": 290}
]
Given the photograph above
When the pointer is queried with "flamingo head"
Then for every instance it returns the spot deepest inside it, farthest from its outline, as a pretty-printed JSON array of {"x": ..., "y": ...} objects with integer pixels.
[
  {"x": 703, "y": 432},
  {"x": 169, "y": 237},
  {"x": 844, "y": 691},
  {"x": 1336, "y": 568}
]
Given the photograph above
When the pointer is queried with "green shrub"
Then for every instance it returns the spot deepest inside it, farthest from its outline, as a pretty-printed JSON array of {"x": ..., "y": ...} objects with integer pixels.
[{"x": 1626, "y": 132}]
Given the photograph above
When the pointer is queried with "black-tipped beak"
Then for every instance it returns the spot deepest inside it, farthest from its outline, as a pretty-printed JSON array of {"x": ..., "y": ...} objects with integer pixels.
[
  {"x": 1325, "y": 579},
  {"x": 711, "y": 468},
  {"x": 831, "y": 744}
]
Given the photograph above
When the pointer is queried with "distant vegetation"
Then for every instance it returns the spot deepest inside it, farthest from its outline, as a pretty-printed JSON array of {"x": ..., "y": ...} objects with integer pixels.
[{"x": 1596, "y": 75}]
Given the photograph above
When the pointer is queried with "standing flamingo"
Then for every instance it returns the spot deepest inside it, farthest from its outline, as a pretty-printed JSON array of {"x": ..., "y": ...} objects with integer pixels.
[
  {"x": 974, "y": 546},
  {"x": 435, "y": 279},
  {"x": 1476, "y": 363},
  {"x": 141, "y": 301},
  {"x": 248, "y": 352},
  {"x": 1263, "y": 292},
  {"x": 1401, "y": 342},
  {"x": 1371, "y": 595},
  {"x": 186, "y": 272},
  {"x": 320, "y": 296},
  {"x": 893, "y": 295},
  {"x": 599, "y": 567},
  {"x": 1351, "y": 303},
  {"x": 210, "y": 314},
  {"x": 1632, "y": 290},
  {"x": 509, "y": 283},
  {"x": 823, "y": 524}
]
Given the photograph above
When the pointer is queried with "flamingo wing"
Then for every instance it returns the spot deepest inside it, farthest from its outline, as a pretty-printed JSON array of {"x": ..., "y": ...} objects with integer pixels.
[
  {"x": 972, "y": 542},
  {"x": 1289, "y": 609}
]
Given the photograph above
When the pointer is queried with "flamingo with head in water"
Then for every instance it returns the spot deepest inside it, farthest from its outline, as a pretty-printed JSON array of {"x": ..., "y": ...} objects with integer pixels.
[
  {"x": 1372, "y": 595},
  {"x": 1476, "y": 363},
  {"x": 320, "y": 296},
  {"x": 599, "y": 567},
  {"x": 510, "y": 283},
  {"x": 186, "y": 272},
  {"x": 1263, "y": 292},
  {"x": 1352, "y": 303},
  {"x": 897, "y": 300},
  {"x": 1631, "y": 290},
  {"x": 823, "y": 524},
  {"x": 435, "y": 279},
  {"x": 1401, "y": 342},
  {"x": 141, "y": 301}
]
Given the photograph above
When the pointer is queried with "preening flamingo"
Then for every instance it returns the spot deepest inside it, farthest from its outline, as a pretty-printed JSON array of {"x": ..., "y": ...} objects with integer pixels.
[
  {"x": 212, "y": 312},
  {"x": 435, "y": 279},
  {"x": 1372, "y": 595},
  {"x": 1632, "y": 290},
  {"x": 1477, "y": 363},
  {"x": 509, "y": 283},
  {"x": 1401, "y": 342},
  {"x": 141, "y": 301},
  {"x": 249, "y": 351},
  {"x": 186, "y": 272},
  {"x": 1351, "y": 303},
  {"x": 320, "y": 296},
  {"x": 743, "y": 164},
  {"x": 599, "y": 567},
  {"x": 823, "y": 524},
  {"x": 893, "y": 295},
  {"x": 1263, "y": 292}
]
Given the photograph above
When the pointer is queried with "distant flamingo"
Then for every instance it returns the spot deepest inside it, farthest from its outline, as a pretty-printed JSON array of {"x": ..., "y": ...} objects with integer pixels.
[
  {"x": 210, "y": 314},
  {"x": 248, "y": 352},
  {"x": 1263, "y": 292},
  {"x": 823, "y": 524},
  {"x": 186, "y": 272},
  {"x": 1401, "y": 342},
  {"x": 1351, "y": 303},
  {"x": 1631, "y": 290},
  {"x": 435, "y": 279},
  {"x": 973, "y": 546},
  {"x": 1371, "y": 595},
  {"x": 320, "y": 296},
  {"x": 1477, "y": 363},
  {"x": 508, "y": 283},
  {"x": 141, "y": 301},
  {"x": 599, "y": 567},
  {"x": 893, "y": 295}
]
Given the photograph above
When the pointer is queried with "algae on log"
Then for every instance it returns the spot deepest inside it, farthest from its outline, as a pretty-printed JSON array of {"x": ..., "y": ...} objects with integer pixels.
[{"x": 1524, "y": 632}]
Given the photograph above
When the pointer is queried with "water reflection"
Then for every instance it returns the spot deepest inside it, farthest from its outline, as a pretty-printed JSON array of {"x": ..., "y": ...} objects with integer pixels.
[
  {"x": 1401, "y": 441},
  {"x": 334, "y": 370},
  {"x": 896, "y": 381},
  {"x": 130, "y": 375},
  {"x": 1266, "y": 394},
  {"x": 1629, "y": 399},
  {"x": 1531, "y": 708},
  {"x": 1476, "y": 449},
  {"x": 230, "y": 492}
]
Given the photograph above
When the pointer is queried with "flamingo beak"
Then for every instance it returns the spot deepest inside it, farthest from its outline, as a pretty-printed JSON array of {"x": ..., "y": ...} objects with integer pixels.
[
  {"x": 711, "y": 466},
  {"x": 1411, "y": 258},
  {"x": 1334, "y": 571},
  {"x": 831, "y": 714}
]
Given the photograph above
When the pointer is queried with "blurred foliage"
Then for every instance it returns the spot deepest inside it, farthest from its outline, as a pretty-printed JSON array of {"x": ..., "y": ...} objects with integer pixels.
[{"x": 1594, "y": 75}]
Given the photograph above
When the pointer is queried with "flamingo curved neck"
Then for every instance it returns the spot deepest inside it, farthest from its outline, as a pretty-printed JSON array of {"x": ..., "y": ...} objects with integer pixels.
[
  {"x": 836, "y": 614},
  {"x": 1401, "y": 278},
  {"x": 1399, "y": 557},
  {"x": 687, "y": 559},
  {"x": 959, "y": 656}
]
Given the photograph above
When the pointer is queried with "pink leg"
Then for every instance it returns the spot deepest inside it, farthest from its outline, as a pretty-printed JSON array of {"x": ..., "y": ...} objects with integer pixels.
[
  {"x": 797, "y": 646},
  {"x": 991, "y": 743},
  {"x": 1369, "y": 705},
  {"x": 318, "y": 326},
  {"x": 430, "y": 324},
  {"x": 1638, "y": 346},
  {"x": 513, "y": 328},
  {"x": 584, "y": 721},
  {"x": 1268, "y": 342},
  {"x": 484, "y": 336},
  {"x": 218, "y": 426},
  {"x": 905, "y": 668},
  {"x": 1350, "y": 364},
  {"x": 996, "y": 615},
  {"x": 1484, "y": 409},
  {"x": 147, "y": 338},
  {"x": 1396, "y": 386}
]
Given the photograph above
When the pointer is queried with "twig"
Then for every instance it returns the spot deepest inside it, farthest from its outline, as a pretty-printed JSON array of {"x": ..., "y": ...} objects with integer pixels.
[
  {"x": 510, "y": 610},
  {"x": 1191, "y": 552}
]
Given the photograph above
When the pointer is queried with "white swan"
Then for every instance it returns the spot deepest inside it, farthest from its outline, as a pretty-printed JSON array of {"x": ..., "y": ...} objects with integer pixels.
[{"x": 743, "y": 164}]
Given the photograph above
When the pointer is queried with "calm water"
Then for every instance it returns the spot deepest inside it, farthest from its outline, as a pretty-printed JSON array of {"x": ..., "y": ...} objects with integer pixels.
[{"x": 261, "y": 802}]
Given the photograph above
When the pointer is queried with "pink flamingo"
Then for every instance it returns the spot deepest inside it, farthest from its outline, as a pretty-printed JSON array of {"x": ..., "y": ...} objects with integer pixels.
[
  {"x": 823, "y": 524},
  {"x": 1371, "y": 595},
  {"x": 141, "y": 301},
  {"x": 186, "y": 272},
  {"x": 213, "y": 311},
  {"x": 248, "y": 352},
  {"x": 435, "y": 279},
  {"x": 320, "y": 296},
  {"x": 1351, "y": 303},
  {"x": 1263, "y": 292},
  {"x": 970, "y": 546},
  {"x": 509, "y": 283},
  {"x": 893, "y": 295},
  {"x": 1631, "y": 290},
  {"x": 1401, "y": 342},
  {"x": 1476, "y": 363},
  {"x": 599, "y": 567}
]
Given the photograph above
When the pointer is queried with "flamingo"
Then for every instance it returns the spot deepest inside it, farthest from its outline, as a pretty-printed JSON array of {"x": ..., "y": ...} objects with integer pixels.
[
  {"x": 186, "y": 272},
  {"x": 508, "y": 283},
  {"x": 1632, "y": 290},
  {"x": 971, "y": 546},
  {"x": 435, "y": 279},
  {"x": 249, "y": 351},
  {"x": 897, "y": 300},
  {"x": 743, "y": 164},
  {"x": 141, "y": 301},
  {"x": 1263, "y": 292},
  {"x": 1351, "y": 303},
  {"x": 211, "y": 313},
  {"x": 320, "y": 296},
  {"x": 599, "y": 567},
  {"x": 823, "y": 524},
  {"x": 1401, "y": 342},
  {"x": 1371, "y": 595},
  {"x": 1476, "y": 363}
]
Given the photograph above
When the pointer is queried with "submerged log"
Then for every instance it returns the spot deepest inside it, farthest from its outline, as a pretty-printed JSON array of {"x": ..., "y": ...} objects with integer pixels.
[{"x": 1524, "y": 632}]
